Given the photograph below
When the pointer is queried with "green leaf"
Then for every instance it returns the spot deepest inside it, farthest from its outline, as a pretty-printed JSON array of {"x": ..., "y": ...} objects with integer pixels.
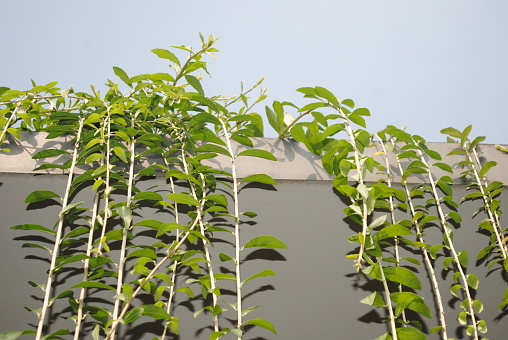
[
  {"x": 374, "y": 299},
  {"x": 90, "y": 284},
  {"x": 33, "y": 227},
  {"x": 213, "y": 148},
  {"x": 183, "y": 198},
  {"x": 411, "y": 301},
  {"x": 155, "y": 312},
  {"x": 12, "y": 335},
  {"x": 144, "y": 252},
  {"x": 258, "y": 153},
  {"x": 262, "y": 273},
  {"x": 265, "y": 242},
  {"x": 220, "y": 199},
  {"x": 444, "y": 167},
  {"x": 407, "y": 333},
  {"x": 261, "y": 323},
  {"x": 40, "y": 195},
  {"x": 148, "y": 195},
  {"x": 452, "y": 132},
  {"x": 391, "y": 231},
  {"x": 259, "y": 178},
  {"x": 122, "y": 75},
  {"x": 49, "y": 153},
  {"x": 54, "y": 335},
  {"x": 120, "y": 153},
  {"x": 165, "y": 54},
  {"x": 455, "y": 216},
  {"x": 74, "y": 258},
  {"x": 486, "y": 167},
  {"x": 133, "y": 315},
  {"x": 194, "y": 82},
  {"x": 225, "y": 257},
  {"x": 326, "y": 94},
  {"x": 482, "y": 326},
  {"x": 403, "y": 276},
  {"x": 463, "y": 258},
  {"x": 473, "y": 281},
  {"x": 357, "y": 119}
]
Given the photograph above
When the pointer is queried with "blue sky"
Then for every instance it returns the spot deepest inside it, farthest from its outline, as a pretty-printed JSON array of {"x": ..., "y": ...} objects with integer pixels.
[{"x": 424, "y": 64}]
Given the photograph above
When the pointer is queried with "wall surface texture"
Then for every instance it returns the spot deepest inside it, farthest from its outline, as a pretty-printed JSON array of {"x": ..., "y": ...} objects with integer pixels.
[{"x": 316, "y": 291}]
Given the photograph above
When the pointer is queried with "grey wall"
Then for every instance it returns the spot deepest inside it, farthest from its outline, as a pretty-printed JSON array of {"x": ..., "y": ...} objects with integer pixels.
[{"x": 316, "y": 291}]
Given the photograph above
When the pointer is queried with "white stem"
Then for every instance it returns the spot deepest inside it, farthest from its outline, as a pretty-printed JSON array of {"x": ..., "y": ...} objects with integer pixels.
[
  {"x": 58, "y": 237},
  {"x": 428, "y": 262},
  {"x": 388, "y": 301},
  {"x": 125, "y": 230},
  {"x": 494, "y": 218},
  {"x": 447, "y": 233},
  {"x": 359, "y": 171}
]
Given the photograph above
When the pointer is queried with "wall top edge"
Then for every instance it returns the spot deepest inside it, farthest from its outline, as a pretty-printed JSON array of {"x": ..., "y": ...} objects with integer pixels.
[{"x": 294, "y": 161}]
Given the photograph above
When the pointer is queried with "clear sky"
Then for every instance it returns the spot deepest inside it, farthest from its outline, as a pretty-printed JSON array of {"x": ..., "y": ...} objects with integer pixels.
[{"x": 425, "y": 64}]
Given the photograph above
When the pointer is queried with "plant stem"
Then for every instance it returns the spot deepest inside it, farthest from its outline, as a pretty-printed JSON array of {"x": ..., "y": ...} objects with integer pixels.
[
  {"x": 447, "y": 233},
  {"x": 8, "y": 124},
  {"x": 303, "y": 114},
  {"x": 125, "y": 230},
  {"x": 428, "y": 262},
  {"x": 58, "y": 236},
  {"x": 494, "y": 218},
  {"x": 388, "y": 300},
  {"x": 359, "y": 171},
  {"x": 86, "y": 266},
  {"x": 154, "y": 271},
  {"x": 237, "y": 229},
  {"x": 205, "y": 243}
]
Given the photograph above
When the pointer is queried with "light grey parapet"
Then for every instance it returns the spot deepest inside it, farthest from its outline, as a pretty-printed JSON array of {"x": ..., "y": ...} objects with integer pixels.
[{"x": 295, "y": 162}]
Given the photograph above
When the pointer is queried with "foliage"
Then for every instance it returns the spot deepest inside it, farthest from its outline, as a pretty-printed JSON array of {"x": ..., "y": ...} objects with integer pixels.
[{"x": 165, "y": 125}]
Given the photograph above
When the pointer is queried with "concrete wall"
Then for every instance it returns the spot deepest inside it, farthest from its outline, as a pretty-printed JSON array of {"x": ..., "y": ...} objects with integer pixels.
[{"x": 316, "y": 291}]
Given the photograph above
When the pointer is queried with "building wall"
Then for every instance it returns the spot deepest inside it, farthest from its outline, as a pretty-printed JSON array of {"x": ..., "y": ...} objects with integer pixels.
[{"x": 316, "y": 291}]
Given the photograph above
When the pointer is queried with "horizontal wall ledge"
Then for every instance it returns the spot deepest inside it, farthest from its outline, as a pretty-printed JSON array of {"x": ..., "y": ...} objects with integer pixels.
[{"x": 294, "y": 161}]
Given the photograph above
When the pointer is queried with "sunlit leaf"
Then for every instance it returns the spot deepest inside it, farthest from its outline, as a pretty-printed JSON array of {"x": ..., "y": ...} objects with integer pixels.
[{"x": 265, "y": 242}]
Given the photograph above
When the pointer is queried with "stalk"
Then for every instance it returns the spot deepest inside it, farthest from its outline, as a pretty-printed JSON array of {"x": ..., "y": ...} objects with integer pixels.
[
  {"x": 58, "y": 237},
  {"x": 150, "y": 275},
  {"x": 388, "y": 300},
  {"x": 8, "y": 124},
  {"x": 447, "y": 233},
  {"x": 86, "y": 265},
  {"x": 237, "y": 230},
  {"x": 123, "y": 250},
  {"x": 360, "y": 181},
  {"x": 498, "y": 231},
  {"x": 393, "y": 219},
  {"x": 205, "y": 243},
  {"x": 108, "y": 188},
  {"x": 428, "y": 262},
  {"x": 173, "y": 277}
]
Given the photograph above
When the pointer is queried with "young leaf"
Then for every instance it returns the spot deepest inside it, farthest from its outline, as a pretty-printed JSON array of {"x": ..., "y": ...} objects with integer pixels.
[
  {"x": 262, "y": 273},
  {"x": 194, "y": 82},
  {"x": 261, "y": 323},
  {"x": 122, "y": 75},
  {"x": 265, "y": 242},
  {"x": 165, "y": 54}
]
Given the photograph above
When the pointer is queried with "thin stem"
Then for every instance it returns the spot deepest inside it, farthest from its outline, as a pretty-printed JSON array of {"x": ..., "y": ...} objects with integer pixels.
[
  {"x": 86, "y": 266},
  {"x": 58, "y": 236},
  {"x": 392, "y": 215},
  {"x": 359, "y": 171},
  {"x": 125, "y": 230},
  {"x": 388, "y": 300},
  {"x": 205, "y": 243},
  {"x": 428, "y": 262},
  {"x": 303, "y": 114},
  {"x": 239, "y": 314},
  {"x": 107, "y": 188},
  {"x": 447, "y": 233},
  {"x": 8, "y": 124},
  {"x": 150, "y": 275},
  {"x": 494, "y": 218}
]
